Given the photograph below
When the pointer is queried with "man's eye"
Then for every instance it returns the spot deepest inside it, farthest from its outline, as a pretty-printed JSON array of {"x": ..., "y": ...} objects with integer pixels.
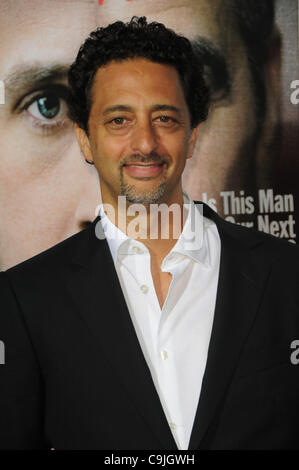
[
  {"x": 166, "y": 120},
  {"x": 48, "y": 107},
  {"x": 118, "y": 121},
  {"x": 218, "y": 84},
  {"x": 46, "y": 111}
]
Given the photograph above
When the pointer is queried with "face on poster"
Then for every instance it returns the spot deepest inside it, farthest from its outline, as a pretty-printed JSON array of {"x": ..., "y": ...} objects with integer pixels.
[{"x": 47, "y": 191}]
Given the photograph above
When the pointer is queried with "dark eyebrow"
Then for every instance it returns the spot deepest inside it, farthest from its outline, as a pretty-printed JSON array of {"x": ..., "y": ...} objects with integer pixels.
[
  {"x": 29, "y": 78},
  {"x": 118, "y": 107},
  {"x": 216, "y": 69},
  {"x": 166, "y": 107},
  {"x": 127, "y": 108}
]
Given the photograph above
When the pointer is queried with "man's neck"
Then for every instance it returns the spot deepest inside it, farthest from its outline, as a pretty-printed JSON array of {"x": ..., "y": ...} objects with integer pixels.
[{"x": 158, "y": 226}]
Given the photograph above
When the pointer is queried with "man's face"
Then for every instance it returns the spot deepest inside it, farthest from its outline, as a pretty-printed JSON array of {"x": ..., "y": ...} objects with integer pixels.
[
  {"x": 231, "y": 148},
  {"x": 140, "y": 133},
  {"x": 46, "y": 189}
]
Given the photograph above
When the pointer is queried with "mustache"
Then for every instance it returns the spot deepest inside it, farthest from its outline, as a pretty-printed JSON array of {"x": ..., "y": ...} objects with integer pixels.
[{"x": 149, "y": 158}]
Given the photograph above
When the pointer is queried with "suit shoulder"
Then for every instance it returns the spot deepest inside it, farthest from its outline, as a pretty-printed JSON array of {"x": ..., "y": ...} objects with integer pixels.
[
  {"x": 267, "y": 245},
  {"x": 284, "y": 254},
  {"x": 55, "y": 256}
]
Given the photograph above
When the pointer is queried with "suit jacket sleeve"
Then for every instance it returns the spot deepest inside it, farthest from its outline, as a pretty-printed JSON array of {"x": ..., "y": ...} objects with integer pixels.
[{"x": 21, "y": 389}]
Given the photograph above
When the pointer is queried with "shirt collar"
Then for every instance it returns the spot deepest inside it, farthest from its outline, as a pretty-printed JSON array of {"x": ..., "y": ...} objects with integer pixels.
[
  {"x": 191, "y": 243},
  {"x": 193, "y": 240},
  {"x": 114, "y": 236}
]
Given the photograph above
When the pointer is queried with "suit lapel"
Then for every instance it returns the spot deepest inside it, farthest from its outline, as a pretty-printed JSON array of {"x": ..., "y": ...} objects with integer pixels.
[
  {"x": 95, "y": 288},
  {"x": 242, "y": 279}
]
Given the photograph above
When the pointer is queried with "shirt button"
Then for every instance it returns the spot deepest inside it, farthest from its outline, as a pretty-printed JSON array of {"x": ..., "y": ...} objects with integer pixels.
[
  {"x": 144, "y": 289},
  {"x": 136, "y": 249},
  {"x": 164, "y": 354},
  {"x": 173, "y": 426}
]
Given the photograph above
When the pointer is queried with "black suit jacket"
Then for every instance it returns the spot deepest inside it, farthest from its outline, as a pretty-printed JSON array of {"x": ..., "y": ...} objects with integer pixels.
[{"x": 75, "y": 377}]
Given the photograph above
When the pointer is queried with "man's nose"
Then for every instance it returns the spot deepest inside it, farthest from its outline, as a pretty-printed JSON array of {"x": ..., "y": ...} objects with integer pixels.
[{"x": 144, "y": 139}]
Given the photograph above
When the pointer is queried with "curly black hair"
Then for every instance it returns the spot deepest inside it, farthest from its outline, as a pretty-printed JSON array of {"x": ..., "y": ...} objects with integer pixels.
[{"x": 136, "y": 39}]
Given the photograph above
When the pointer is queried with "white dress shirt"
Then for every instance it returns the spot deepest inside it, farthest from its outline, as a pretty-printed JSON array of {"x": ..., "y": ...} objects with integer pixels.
[{"x": 174, "y": 339}]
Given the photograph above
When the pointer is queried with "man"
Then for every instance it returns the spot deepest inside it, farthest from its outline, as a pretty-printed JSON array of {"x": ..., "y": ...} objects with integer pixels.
[
  {"x": 178, "y": 343},
  {"x": 47, "y": 191}
]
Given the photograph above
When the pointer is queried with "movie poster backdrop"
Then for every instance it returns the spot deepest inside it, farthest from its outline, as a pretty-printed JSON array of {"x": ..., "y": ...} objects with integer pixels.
[{"x": 245, "y": 164}]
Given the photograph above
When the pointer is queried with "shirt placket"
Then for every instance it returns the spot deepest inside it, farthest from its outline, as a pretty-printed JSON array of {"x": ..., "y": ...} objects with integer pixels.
[{"x": 167, "y": 369}]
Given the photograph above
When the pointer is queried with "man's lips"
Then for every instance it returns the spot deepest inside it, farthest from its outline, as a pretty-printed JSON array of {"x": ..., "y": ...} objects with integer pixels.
[{"x": 144, "y": 170}]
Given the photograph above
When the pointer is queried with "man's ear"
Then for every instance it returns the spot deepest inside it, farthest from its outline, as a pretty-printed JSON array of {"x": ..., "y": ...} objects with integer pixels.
[
  {"x": 84, "y": 143},
  {"x": 192, "y": 141}
]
